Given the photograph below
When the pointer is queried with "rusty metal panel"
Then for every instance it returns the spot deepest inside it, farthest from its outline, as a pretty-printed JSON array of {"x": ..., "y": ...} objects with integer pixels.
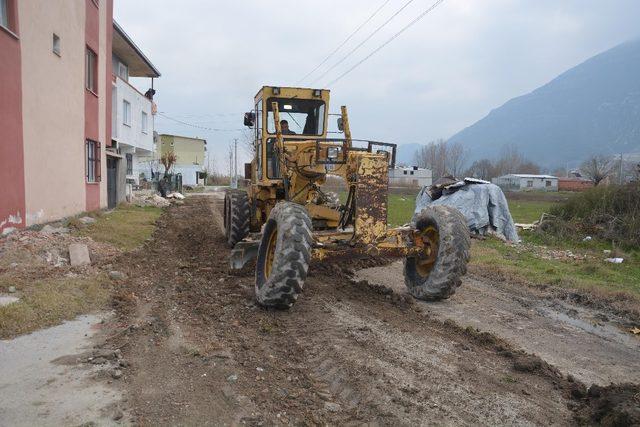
[{"x": 371, "y": 198}]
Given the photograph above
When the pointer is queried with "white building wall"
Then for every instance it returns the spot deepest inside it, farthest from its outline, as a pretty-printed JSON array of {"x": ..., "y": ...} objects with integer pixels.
[
  {"x": 539, "y": 184},
  {"x": 189, "y": 173},
  {"x": 412, "y": 177},
  {"x": 132, "y": 134}
]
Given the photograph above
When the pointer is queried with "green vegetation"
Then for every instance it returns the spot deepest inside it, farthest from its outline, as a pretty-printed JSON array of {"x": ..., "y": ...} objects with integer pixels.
[
  {"x": 127, "y": 227},
  {"x": 611, "y": 213},
  {"x": 528, "y": 211},
  {"x": 536, "y": 264},
  {"x": 49, "y": 301},
  {"x": 401, "y": 207}
]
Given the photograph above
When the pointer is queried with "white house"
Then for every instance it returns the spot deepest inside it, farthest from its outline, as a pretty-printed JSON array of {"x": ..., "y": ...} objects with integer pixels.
[
  {"x": 412, "y": 176},
  {"x": 526, "y": 182},
  {"x": 132, "y": 114}
]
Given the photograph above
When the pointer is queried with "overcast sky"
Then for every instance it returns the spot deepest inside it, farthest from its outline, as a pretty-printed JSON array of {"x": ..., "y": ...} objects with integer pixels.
[{"x": 448, "y": 70}]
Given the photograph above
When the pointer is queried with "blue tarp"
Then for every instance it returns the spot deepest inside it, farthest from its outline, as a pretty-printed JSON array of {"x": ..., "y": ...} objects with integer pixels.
[{"x": 482, "y": 203}]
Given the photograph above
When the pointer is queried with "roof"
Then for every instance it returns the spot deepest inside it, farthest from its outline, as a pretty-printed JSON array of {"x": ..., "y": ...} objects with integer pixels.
[
  {"x": 183, "y": 137},
  {"x": 125, "y": 49},
  {"x": 524, "y": 175},
  {"x": 411, "y": 168}
]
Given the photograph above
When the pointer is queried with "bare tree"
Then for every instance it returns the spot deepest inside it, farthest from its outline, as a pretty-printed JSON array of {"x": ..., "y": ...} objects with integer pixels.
[
  {"x": 433, "y": 156},
  {"x": 481, "y": 169},
  {"x": 456, "y": 157},
  {"x": 248, "y": 142},
  {"x": 597, "y": 168}
]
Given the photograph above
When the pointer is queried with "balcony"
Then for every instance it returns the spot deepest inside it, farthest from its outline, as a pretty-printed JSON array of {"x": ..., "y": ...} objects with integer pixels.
[{"x": 132, "y": 119}]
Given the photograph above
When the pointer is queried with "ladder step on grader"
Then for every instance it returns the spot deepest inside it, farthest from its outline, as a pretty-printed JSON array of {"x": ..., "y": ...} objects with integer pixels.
[{"x": 284, "y": 219}]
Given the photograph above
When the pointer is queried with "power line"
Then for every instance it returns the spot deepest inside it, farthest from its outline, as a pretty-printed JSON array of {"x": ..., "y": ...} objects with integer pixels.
[
  {"x": 345, "y": 41},
  {"x": 197, "y": 126},
  {"x": 419, "y": 17},
  {"x": 363, "y": 41}
]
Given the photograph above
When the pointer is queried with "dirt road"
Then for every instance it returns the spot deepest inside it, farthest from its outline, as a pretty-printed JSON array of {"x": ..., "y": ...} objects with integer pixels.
[{"x": 199, "y": 351}]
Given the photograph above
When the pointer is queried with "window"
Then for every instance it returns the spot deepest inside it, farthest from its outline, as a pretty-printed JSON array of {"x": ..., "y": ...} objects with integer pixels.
[
  {"x": 144, "y": 122},
  {"x": 529, "y": 184},
  {"x": 123, "y": 71},
  {"x": 405, "y": 172},
  {"x": 411, "y": 172},
  {"x": 304, "y": 116},
  {"x": 56, "y": 44},
  {"x": 126, "y": 112},
  {"x": 548, "y": 183},
  {"x": 91, "y": 67},
  {"x": 93, "y": 161},
  {"x": 4, "y": 14},
  {"x": 129, "y": 157}
]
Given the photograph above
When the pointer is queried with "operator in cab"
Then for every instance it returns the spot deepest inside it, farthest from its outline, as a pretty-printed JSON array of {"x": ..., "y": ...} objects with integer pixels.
[{"x": 284, "y": 125}]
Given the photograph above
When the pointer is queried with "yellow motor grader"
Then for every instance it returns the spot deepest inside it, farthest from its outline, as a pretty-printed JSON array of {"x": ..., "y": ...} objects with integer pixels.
[{"x": 284, "y": 219}]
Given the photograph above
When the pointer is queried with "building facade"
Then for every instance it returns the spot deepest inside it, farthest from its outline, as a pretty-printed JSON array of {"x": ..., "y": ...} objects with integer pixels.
[
  {"x": 132, "y": 111},
  {"x": 412, "y": 176},
  {"x": 526, "y": 182},
  {"x": 56, "y": 151},
  {"x": 190, "y": 154}
]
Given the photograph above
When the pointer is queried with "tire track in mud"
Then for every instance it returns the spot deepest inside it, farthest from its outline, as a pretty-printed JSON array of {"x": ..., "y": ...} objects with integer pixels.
[{"x": 346, "y": 352}]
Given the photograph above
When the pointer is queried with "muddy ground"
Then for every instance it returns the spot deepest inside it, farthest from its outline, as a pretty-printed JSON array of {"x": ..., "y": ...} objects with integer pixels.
[{"x": 197, "y": 350}]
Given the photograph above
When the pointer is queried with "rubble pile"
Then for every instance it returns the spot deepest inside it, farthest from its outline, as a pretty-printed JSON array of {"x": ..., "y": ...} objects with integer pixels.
[
  {"x": 50, "y": 247},
  {"x": 146, "y": 198},
  {"x": 546, "y": 253}
]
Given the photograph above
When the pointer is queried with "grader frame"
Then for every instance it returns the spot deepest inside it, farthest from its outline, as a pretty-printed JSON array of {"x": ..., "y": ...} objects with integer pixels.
[{"x": 287, "y": 173}]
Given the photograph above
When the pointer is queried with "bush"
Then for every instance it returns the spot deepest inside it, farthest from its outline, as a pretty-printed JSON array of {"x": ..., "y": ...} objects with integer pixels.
[{"x": 607, "y": 212}]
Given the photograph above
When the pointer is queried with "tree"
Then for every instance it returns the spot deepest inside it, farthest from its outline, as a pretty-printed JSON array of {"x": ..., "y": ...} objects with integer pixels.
[
  {"x": 481, "y": 169},
  {"x": 433, "y": 156},
  {"x": 456, "y": 157},
  {"x": 597, "y": 168},
  {"x": 168, "y": 159}
]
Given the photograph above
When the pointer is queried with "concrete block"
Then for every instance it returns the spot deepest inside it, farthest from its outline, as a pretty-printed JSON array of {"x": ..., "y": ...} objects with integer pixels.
[{"x": 79, "y": 254}]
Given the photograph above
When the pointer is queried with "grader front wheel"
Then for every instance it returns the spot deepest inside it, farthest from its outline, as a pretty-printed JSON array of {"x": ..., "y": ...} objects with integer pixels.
[
  {"x": 438, "y": 271},
  {"x": 236, "y": 216},
  {"x": 283, "y": 256}
]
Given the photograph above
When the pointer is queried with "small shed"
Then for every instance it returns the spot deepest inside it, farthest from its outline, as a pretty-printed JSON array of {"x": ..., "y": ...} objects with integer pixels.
[
  {"x": 411, "y": 176},
  {"x": 526, "y": 182}
]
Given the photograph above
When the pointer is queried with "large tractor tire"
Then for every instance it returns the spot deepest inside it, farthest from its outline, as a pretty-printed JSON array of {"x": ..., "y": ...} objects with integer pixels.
[
  {"x": 438, "y": 271},
  {"x": 237, "y": 215},
  {"x": 283, "y": 256}
]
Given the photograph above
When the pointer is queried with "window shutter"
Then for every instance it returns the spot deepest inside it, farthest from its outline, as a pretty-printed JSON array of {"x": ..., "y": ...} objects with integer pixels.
[
  {"x": 98, "y": 163},
  {"x": 86, "y": 160}
]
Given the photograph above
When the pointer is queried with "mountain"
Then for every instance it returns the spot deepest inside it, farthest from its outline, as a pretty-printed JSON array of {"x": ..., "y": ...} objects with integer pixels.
[{"x": 591, "y": 108}]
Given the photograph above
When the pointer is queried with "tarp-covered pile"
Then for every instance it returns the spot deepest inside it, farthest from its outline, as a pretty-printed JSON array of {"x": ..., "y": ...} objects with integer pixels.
[{"x": 481, "y": 202}]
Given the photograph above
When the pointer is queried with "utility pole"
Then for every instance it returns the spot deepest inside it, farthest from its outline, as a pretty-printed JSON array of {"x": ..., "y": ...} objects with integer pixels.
[
  {"x": 231, "y": 168},
  {"x": 235, "y": 163},
  {"x": 621, "y": 180}
]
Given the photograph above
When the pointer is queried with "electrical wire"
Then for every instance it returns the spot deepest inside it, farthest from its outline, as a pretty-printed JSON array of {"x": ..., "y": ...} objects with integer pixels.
[
  {"x": 351, "y": 52},
  {"x": 198, "y": 126},
  {"x": 345, "y": 41},
  {"x": 419, "y": 17}
]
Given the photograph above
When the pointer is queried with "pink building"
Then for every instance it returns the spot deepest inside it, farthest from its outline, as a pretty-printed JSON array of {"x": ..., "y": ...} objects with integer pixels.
[{"x": 56, "y": 84}]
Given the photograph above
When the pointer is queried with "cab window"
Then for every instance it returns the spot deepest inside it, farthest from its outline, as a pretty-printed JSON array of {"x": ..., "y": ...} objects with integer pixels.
[{"x": 304, "y": 116}]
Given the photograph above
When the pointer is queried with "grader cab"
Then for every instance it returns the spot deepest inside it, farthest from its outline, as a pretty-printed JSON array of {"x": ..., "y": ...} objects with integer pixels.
[{"x": 284, "y": 218}]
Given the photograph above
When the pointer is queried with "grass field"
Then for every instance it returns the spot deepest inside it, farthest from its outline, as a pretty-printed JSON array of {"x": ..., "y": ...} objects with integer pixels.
[
  {"x": 401, "y": 207},
  {"x": 127, "y": 227},
  {"x": 47, "y": 298}
]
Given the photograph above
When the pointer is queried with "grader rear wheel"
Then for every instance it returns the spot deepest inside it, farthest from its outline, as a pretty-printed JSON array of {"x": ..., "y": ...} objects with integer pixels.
[
  {"x": 438, "y": 271},
  {"x": 283, "y": 256},
  {"x": 236, "y": 216}
]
